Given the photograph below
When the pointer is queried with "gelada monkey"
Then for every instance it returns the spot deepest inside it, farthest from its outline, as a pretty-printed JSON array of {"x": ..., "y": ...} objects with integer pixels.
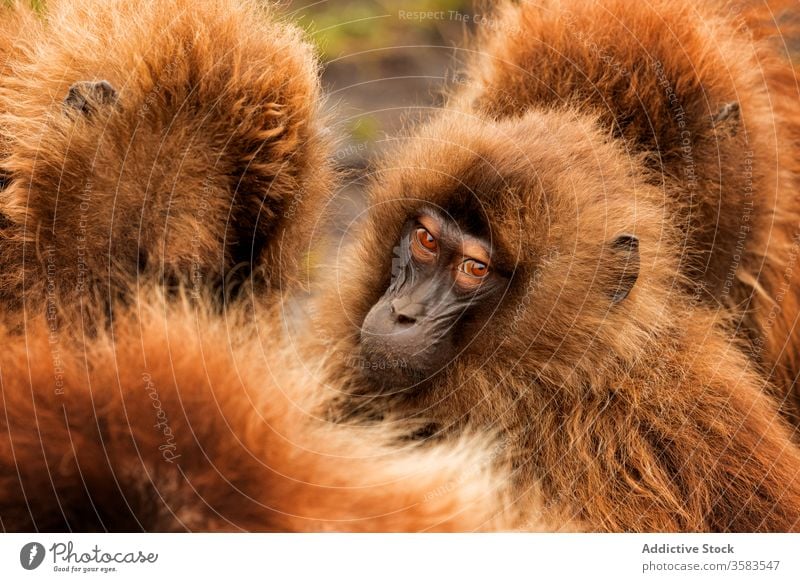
[
  {"x": 143, "y": 143},
  {"x": 532, "y": 272}
]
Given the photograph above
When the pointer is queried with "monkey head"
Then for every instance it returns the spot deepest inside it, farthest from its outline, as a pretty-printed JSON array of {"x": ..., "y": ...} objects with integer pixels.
[
  {"x": 183, "y": 142},
  {"x": 531, "y": 241}
]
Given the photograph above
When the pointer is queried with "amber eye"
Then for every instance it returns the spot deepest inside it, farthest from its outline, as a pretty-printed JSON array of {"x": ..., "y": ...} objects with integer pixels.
[
  {"x": 474, "y": 268},
  {"x": 425, "y": 240}
]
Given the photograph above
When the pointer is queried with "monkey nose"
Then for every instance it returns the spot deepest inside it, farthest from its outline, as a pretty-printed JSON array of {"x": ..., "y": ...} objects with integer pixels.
[{"x": 406, "y": 312}]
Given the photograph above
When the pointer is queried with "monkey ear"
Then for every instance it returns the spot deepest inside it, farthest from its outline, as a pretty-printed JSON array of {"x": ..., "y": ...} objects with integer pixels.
[
  {"x": 85, "y": 96},
  {"x": 728, "y": 118},
  {"x": 625, "y": 248}
]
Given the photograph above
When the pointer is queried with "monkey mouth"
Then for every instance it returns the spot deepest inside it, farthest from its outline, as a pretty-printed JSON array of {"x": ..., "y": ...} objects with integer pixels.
[{"x": 388, "y": 372}]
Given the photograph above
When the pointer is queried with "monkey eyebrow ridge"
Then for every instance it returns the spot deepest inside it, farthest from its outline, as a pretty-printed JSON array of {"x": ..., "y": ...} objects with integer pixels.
[
  {"x": 471, "y": 247},
  {"x": 431, "y": 223}
]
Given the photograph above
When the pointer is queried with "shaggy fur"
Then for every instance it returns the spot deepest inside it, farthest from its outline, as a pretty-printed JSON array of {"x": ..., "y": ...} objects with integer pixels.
[
  {"x": 701, "y": 90},
  {"x": 215, "y": 138},
  {"x": 179, "y": 421},
  {"x": 638, "y": 416},
  {"x": 161, "y": 414},
  {"x": 644, "y": 415}
]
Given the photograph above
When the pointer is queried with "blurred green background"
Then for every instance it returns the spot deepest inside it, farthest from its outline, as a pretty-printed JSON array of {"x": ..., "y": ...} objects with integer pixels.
[{"x": 386, "y": 61}]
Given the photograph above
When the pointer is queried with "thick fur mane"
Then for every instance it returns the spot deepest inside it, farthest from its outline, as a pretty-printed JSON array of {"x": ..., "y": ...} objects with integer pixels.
[
  {"x": 213, "y": 137},
  {"x": 634, "y": 416},
  {"x": 701, "y": 90},
  {"x": 179, "y": 420}
]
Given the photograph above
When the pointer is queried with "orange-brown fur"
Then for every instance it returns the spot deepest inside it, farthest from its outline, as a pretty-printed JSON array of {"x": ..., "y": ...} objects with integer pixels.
[
  {"x": 17, "y": 20},
  {"x": 657, "y": 75},
  {"x": 162, "y": 414},
  {"x": 216, "y": 137},
  {"x": 175, "y": 420},
  {"x": 640, "y": 416}
]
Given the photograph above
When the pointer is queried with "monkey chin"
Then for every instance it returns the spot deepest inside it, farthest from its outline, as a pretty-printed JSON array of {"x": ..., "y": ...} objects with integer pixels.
[{"x": 386, "y": 373}]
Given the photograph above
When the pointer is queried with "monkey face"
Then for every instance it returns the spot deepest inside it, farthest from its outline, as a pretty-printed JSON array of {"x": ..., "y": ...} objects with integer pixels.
[{"x": 444, "y": 275}]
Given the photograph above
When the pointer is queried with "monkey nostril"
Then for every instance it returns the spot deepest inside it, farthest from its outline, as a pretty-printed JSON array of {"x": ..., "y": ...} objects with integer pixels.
[{"x": 403, "y": 312}]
